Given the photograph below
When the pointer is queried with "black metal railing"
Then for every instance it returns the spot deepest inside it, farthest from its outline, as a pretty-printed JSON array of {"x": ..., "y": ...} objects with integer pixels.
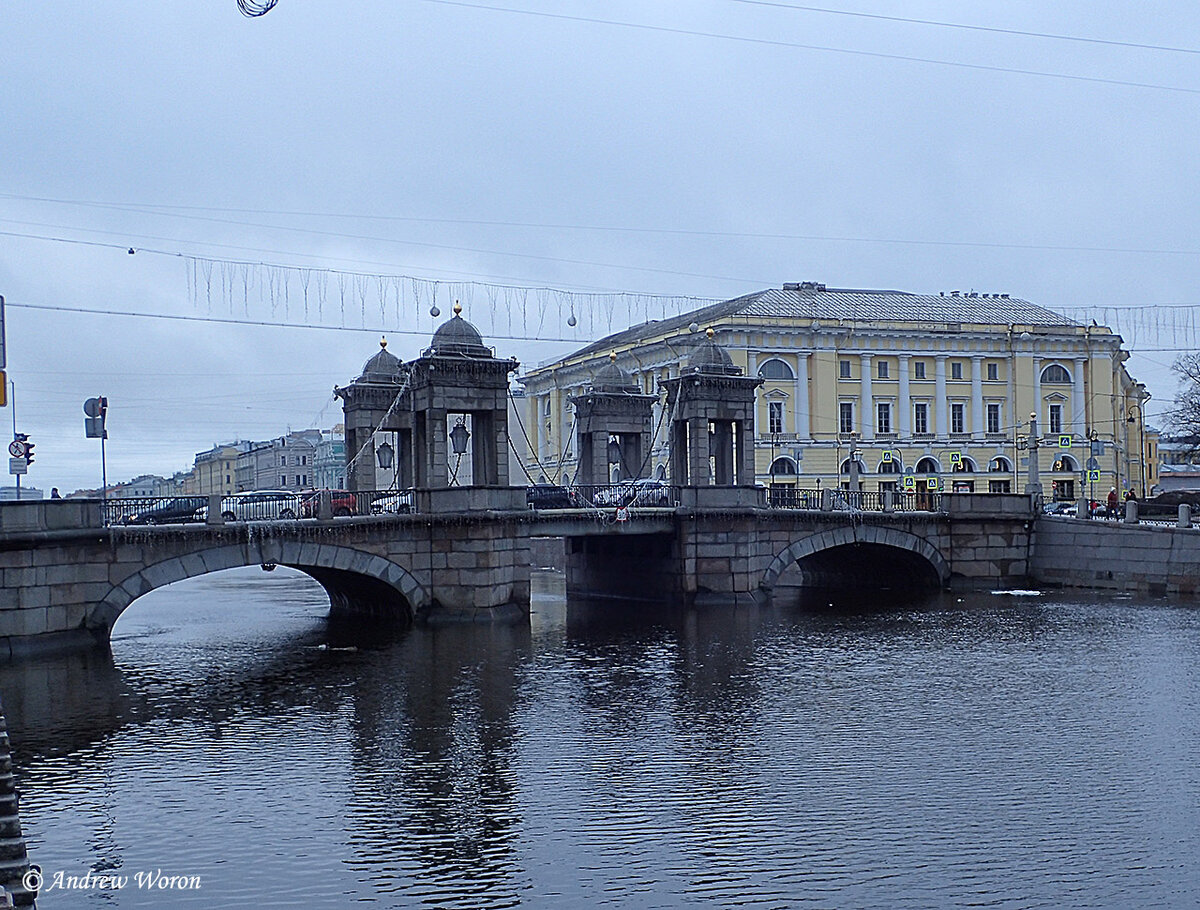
[
  {"x": 154, "y": 510},
  {"x": 640, "y": 493},
  {"x": 854, "y": 501}
]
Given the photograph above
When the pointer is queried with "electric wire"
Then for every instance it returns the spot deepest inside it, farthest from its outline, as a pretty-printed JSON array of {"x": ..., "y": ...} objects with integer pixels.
[{"x": 794, "y": 45}]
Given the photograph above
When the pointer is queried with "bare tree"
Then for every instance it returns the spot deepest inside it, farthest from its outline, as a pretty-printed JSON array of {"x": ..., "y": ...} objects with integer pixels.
[{"x": 1186, "y": 419}]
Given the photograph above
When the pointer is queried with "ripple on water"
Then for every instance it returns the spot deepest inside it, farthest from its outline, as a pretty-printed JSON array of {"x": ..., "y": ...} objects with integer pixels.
[{"x": 1006, "y": 752}]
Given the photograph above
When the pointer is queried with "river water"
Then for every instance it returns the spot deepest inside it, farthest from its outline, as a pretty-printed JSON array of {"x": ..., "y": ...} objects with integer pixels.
[{"x": 965, "y": 751}]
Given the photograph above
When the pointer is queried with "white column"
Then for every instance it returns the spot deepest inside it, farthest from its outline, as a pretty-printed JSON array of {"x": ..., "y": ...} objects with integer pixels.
[
  {"x": 977, "y": 423},
  {"x": 1078, "y": 401},
  {"x": 1036, "y": 407},
  {"x": 751, "y": 364},
  {"x": 801, "y": 405},
  {"x": 868, "y": 406},
  {"x": 942, "y": 429},
  {"x": 904, "y": 418}
]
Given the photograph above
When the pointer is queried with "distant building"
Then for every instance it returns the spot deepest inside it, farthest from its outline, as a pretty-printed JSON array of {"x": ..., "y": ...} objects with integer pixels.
[
  {"x": 215, "y": 471},
  {"x": 10, "y": 493},
  {"x": 932, "y": 391},
  {"x": 1179, "y": 464},
  {"x": 284, "y": 463},
  {"x": 329, "y": 460}
]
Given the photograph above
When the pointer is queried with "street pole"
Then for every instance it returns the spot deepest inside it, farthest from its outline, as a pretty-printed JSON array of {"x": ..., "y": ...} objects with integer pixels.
[
  {"x": 1034, "y": 484},
  {"x": 12, "y": 402}
]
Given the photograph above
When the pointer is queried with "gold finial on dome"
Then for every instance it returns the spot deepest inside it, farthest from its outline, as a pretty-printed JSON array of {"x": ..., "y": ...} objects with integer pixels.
[
  {"x": 710, "y": 333},
  {"x": 457, "y": 308},
  {"x": 612, "y": 356},
  {"x": 383, "y": 343}
]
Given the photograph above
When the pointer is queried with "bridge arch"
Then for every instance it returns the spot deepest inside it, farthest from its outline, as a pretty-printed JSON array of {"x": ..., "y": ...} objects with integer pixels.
[
  {"x": 356, "y": 581},
  {"x": 847, "y": 535}
]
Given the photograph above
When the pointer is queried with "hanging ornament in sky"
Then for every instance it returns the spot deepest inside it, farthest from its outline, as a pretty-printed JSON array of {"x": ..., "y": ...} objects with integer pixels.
[{"x": 253, "y": 8}]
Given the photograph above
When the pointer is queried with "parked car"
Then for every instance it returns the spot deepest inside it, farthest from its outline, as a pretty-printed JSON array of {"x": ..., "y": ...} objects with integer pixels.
[
  {"x": 170, "y": 511},
  {"x": 647, "y": 492},
  {"x": 393, "y": 504},
  {"x": 261, "y": 505},
  {"x": 343, "y": 501},
  {"x": 549, "y": 496}
]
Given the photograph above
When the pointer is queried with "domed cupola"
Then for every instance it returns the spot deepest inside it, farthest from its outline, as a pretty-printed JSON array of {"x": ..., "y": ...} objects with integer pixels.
[
  {"x": 458, "y": 338},
  {"x": 612, "y": 379},
  {"x": 382, "y": 367},
  {"x": 710, "y": 357}
]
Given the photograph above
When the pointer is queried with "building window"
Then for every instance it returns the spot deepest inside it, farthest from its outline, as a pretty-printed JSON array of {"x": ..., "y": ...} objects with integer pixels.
[
  {"x": 993, "y": 418},
  {"x": 775, "y": 369},
  {"x": 844, "y": 369},
  {"x": 958, "y": 414},
  {"x": 919, "y": 369},
  {"x": 282, "y": 480},
  {"x": 283, "y": 460},
  {"x": 227, "y": 478},
  {"x": 303, "y": 459},
  {"x": 883, "y": 369},
  {"x": 956, "y": 369},
  {"x": 846, "y": 417},
  {"x": 1056, "y": 419},
  {"x": 921, "y": 418},
  {"x": 993, "y": 372},
  {"x": 883, "y": 412},
  {"x": 775, "y": 416},
  {"x": 1055, "y": 373}
]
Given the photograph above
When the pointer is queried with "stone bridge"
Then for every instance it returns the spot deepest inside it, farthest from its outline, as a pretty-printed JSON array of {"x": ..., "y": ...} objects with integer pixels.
[{"x": 66, "y": 578}]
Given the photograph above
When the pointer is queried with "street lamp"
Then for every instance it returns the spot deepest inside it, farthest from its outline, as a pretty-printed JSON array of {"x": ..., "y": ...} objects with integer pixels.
[
  {"x": 459, "y": 436},
  {"x": 384, "y": 454},
  {"x": 1140, "y": 420}
]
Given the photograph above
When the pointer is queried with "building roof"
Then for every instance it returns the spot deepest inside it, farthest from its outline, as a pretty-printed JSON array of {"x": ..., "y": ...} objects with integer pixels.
[{"x": 809, "y": 300}]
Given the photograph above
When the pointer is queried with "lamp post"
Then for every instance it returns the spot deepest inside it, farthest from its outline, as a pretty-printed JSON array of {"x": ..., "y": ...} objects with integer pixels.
[
  {"x": 385, "y": 455},
  {"x": 1140, "y": 420},
  {"x": 458, "y": 443}
]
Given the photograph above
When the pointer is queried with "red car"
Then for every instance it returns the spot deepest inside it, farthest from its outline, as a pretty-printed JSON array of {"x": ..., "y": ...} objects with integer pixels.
[{"x": 343, "y": 502}]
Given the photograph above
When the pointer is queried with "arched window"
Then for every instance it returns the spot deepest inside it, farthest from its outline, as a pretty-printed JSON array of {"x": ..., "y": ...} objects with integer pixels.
[
  {"x": 660, "y": 472},
  {"x": 1000, "y": 465},
  {"x": 928, "y": 465},
  {"x": 775, "y": 369},
  {"x": 783, "y": 465},
  {"x": 966, "y": 465},
  {"x": 1065, "y": 463},
  {"x": 1056, "y": 373},
  {"x": 862, "y": 468},
  {"x": 890, "y": 467}
]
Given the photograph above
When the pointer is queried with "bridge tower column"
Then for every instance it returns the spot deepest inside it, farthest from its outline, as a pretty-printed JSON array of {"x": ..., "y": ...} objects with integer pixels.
[
  {"x": 378, "y": 414},
  {"x": 613, "y": 426},
  {"x": 459, "y": 394},
  {"x": 712, "y": 429}
]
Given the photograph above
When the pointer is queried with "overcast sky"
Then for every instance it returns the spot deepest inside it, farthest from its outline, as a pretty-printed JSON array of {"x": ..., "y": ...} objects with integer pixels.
[{"x": 688, "y": 149}]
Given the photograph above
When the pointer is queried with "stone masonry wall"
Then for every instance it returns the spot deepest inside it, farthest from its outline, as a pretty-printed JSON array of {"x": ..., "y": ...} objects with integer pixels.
[{"x": 1099, "y": 554}]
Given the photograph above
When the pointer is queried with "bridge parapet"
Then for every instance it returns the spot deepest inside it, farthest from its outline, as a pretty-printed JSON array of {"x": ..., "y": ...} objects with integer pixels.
[{"x": 24, "y": 518}]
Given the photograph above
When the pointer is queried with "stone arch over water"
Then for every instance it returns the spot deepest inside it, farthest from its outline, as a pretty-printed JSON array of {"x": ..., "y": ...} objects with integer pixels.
[
  {"x": 870, "y": 536},
  {"x": 358, "y": 583}
]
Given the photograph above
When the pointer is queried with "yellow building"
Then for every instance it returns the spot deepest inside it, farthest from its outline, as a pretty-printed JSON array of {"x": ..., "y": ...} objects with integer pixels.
[{"x": 936, "y": 388}]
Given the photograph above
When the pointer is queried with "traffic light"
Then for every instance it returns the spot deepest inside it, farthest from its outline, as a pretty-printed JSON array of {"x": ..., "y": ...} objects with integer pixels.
[{"x": 29, "y": 453}]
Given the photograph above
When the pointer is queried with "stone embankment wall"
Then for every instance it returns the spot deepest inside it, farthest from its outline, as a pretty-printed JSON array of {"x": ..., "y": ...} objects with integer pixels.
[{"x": 1126, "y": 557}]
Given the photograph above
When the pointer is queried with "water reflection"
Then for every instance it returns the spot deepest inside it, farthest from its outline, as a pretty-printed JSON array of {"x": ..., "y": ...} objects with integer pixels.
[{"x": 960, "y": 750}]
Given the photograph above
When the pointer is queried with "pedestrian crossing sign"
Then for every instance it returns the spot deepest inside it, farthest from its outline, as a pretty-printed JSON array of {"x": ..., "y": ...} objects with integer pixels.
[
  {"x": 956, "y": 458},
  {"x": 910, "y": 484},
  {"x": 887, "y": 457},
  {"x": 933, "y": 484},
  {"x": 1064, "y": 442},
  {"x": 1093, "y": 476}
]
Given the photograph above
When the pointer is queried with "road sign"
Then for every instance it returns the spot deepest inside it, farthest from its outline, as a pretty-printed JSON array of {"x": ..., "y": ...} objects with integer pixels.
[
  {"x": 887, "y": 457},
  {"x": 1093, "y": 464},
  {"x": 933, "y": 484},
  {"x": 1064, "y": 442},
  {"x": 1093, "y": 476},
  {"x": 16, "y": 449},
  {"x": 956, "y": 458},
  {"x": 910, "y": 483},
  {"x": 18, "y": 466}
]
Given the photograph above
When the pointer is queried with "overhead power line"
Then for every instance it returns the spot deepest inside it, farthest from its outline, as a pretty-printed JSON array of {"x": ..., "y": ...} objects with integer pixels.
[
  {"x": 771, "y": 42},
  {"x": 1082, "y": 39},
  {"x": 135, "y": 207}
]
